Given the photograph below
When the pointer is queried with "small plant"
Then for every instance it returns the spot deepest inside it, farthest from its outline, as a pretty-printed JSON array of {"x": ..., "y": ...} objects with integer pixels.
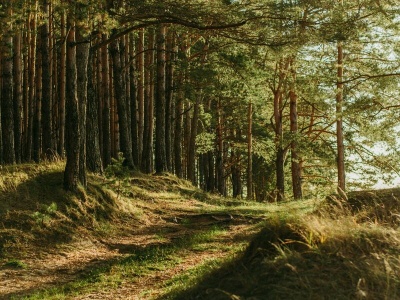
[
  {"x": 15, "y": 263},
  {"x": 117, "y": 167},
  {"x": 45, "y": 216}
]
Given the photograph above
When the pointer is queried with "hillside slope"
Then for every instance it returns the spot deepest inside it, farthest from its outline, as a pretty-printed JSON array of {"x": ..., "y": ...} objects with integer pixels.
[{"x": 134, "y": 236}]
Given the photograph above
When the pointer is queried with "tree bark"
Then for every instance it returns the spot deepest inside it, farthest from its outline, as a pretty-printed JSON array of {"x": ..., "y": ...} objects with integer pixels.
[
  {"x": 280, "y": 154},
  {"x": 220, "y": 172},
  {"x": 71, "y": 174},
  {"x": 136, "y": 143},
  {"x": 250, "y": 151},
  {"x": 18, "y": 96},
  {"x": 160, "y": 148},
  {"x": 147, "y": 154},
  {"x": 7, "y": 114},
  {"x": 141, "y": 91},
  {"x": 169, "y": 95},
  {"x": 93, "y": 160},
  {"x": 106, "y": 114},
  {"x": 191, "y": 151},
  {"x": 178, "y": 135},
  {"x": 82, "y": 59},
  {"x": 120, "y": 98},
  {"x": 339, "y": 120},
  {"x": 46, "y": 100},
  {"x": 32, "y": 76},
  {"x": 62, "y": 80},
  {"x": 295, "y": 158}
]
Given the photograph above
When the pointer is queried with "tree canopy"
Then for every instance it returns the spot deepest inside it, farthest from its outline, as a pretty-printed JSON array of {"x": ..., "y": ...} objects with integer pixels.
[{"x": 259, "y": 99}]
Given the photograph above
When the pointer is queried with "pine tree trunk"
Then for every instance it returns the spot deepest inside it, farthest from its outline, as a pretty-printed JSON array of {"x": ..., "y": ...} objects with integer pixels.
[
  {"x": 106, "y": 114},
  {"x": 250, "y": 151},
  {"x": 186, "y": 138},
  {"x": 46, "y": 100},
  {"x": 82, "y": 59},
  {"x": 236, "y": 174},
  {"x": 32, "y": 76},
  {"x": 141, "y": 91},
  {"x": 295, "y": 158},
  {"x": 220, "y": 171},
  {"x": 120, "y": 98},
  {"x": 25, "y": 90},
  {"x": 93, "y": 160},
  {"x": 71, "y": 174},
  {"x": 211, "y": 187},
  {"x": 62, "y": 80},
  {"x": 191, "y": 151},
  {"x": 280, "y": 153},
  {"x": 160, "y": 148},
  {"x": 147, "y": 154},
  {"x": 134, "y": 106},
  {"x": 18, "y": 96},
  {"x": 178, "y": 135},
  {"x": 339, "y": 122},
  {"x": 37, "y": 116},
  {"x": 169, "y": 95},
  {"x": 7, "y": 119}
]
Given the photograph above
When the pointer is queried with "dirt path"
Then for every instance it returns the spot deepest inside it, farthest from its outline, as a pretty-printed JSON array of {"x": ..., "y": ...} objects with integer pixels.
[{"x": 49, "y": 269}]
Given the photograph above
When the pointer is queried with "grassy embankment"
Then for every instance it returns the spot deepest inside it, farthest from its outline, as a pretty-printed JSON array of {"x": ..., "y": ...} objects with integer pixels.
[{"x": 157, "y": 237}]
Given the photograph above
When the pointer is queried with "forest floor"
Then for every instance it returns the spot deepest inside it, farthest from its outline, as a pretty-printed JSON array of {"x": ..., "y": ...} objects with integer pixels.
[
  {"x": 131, "y": 236},
  {"x": 57, "y": 245}
]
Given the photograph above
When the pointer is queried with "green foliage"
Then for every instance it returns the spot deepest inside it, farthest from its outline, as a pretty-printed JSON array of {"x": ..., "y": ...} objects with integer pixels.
[
  {"x": 44, "y": 216},
  {"x": 15, "y": 263},
  {"x": 117, "y": 167}
]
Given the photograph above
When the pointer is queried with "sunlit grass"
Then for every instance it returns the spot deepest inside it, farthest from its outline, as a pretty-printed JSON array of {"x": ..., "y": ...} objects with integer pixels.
[{"x": 140, "y": 262}]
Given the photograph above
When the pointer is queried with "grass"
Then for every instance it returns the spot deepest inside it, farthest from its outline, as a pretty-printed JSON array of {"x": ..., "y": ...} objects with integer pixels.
[
  {"x": 174, "y": 241},
  {"x": 334, "y": 253},
  {"x": 139, "y": 263}
]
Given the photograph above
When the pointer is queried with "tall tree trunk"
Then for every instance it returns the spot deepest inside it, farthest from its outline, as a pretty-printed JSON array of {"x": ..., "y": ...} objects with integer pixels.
[
  {"x": 71, "y": 174},
  {"x": 25, "y": 89},
  {"x": 186, "y": 137},
  {"x": 280, "y": 153},
  {"x": 136, "y": 144},
  {"x": 82, "y": 59},
  {"x": 169, "y": 93},
  {"x": 211, "y": 172},
  {"x": 295, "y": 158},
  {"x": 160, "y": 149},
  {"x": 178, "y": 135},
  {"x": 106, "y": 114},
  {"x": 7, "y": 114},
  {"x": 147, "y": 154},
  {"x": 46, "y": 85},
  {"x": 191, "y": 151},
  {"x": 18, "y": 96},
  {"x": 281, "y": 71},
  {"x": 37, "y": 117},
  {"x": 120, "y": 98},
  {"x": 250, "y": 151},
  {"x": 339, "y": 122},
  {"x": 220, "y": 171},
  {"x": 62, "y": 80},
  {"x": 236, "y": 174},
  {"x": 32, "y": 90},
  {"x": 93, "y": 160},
  {"x": 141, "y": 91}
]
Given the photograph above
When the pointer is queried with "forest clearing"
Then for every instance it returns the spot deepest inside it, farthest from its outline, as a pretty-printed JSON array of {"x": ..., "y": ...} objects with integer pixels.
[{"x": 162, "y": 238}]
